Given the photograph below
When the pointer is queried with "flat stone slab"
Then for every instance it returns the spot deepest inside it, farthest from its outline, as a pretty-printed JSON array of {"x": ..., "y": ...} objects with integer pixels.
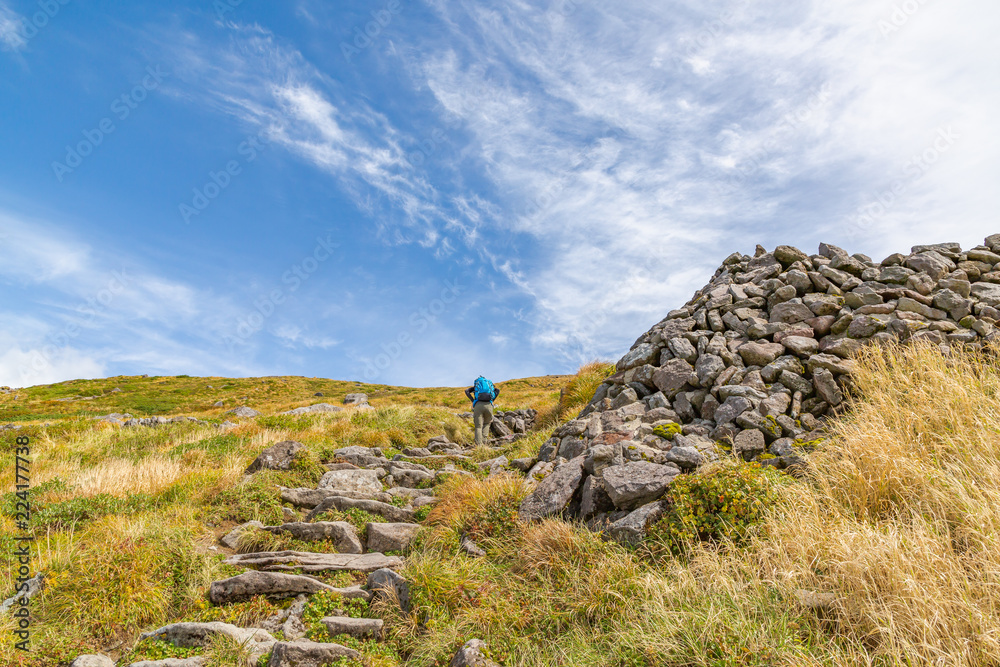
[
  {"x": 359, "y": 480},
  {"x": 390, "y": 512},
  {"x": 93, "y": 661},
  {"x": 356, "y": 627},
  {"x": 384, "y": 537},
  {"x": 310, "y": 498},
  {"x": 341, "y": 533},
  {"x": 196, "y": 635},
  {"x": 194, "y": 661},
  {"x": 315, "y": 562},
  {"x": 306, "y": 653},
  {"x": 273, "y": 584}
]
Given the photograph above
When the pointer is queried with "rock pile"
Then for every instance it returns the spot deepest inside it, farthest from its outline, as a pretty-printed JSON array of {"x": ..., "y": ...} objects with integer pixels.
[{"x": 750, "y": 366}]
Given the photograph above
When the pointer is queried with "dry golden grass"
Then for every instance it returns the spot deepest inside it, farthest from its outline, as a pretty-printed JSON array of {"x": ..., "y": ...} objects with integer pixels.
[
  {"x": 576, "y": 393},
  {"x": 901, "y": 522}
]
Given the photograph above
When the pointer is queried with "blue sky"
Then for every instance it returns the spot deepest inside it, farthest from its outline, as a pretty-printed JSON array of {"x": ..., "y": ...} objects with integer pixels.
[{"x": 249, "y": 188}]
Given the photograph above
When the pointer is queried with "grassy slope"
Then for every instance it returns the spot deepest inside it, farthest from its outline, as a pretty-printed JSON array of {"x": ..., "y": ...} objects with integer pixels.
[
  {"x": 897, "y": 526},
  {"x": 190, "y": 396}
]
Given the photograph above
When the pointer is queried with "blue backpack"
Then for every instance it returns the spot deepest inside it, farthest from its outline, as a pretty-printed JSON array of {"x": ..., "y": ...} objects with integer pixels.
[{"x": 483, "y": 390}]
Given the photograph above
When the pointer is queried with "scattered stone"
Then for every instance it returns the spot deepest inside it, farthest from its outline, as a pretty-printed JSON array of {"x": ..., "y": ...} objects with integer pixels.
[
  {"x": 243, "y": 411},
  {"x": 306, "y": 653},
  {"x": 232, "y": 538},
  {"x": 279, "y": 456},
  {"x": 471, "y": 655},
  {"x": 385, "y": 584},
  {"x": 196, "y": 635},
  {"x": 92, "y": 661},
  {"x": 357, "y": 481},
  {"x": 356, "y": 399},
  {"x": 355, "y": 627},
  {"x": 385, "y": 537}
]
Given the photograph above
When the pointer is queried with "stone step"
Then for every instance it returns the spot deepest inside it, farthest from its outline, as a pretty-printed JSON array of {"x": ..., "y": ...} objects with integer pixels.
[
  {"x": 390, "y": 512},
  {"x": 273, "y": 584},
  {"x": 309, "y": 561},
  {"x": 355, "y": 627}
]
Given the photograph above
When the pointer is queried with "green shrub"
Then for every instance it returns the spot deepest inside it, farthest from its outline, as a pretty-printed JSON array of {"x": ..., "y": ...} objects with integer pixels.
[{"x": 721, "y": 505}]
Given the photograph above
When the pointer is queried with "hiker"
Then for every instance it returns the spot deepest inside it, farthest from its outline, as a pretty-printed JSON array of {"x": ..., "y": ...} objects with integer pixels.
[{"x": 482, "y": 394}]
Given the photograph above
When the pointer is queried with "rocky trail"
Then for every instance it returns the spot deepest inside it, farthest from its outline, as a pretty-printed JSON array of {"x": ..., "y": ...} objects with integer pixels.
[
  {"x": 359, "y": 478},
  {"x": 750, "y": 368}
]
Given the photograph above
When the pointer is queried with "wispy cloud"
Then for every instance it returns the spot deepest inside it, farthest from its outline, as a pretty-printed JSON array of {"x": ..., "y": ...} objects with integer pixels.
[
  {"x": 93, "y": 310},
  {"x": 11, "y": 33},
  {"x": 638, "y": 144}
]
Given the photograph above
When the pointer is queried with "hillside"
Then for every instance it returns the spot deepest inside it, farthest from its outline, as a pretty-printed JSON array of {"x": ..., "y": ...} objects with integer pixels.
[{"x": 800, "y": 466}]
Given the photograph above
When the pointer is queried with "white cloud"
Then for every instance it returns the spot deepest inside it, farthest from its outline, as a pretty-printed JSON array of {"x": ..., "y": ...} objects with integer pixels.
[
  {"x": 11, "y": 35},
  {"x": 81, "y": 311},
  {"x": 639, "y": 144}
]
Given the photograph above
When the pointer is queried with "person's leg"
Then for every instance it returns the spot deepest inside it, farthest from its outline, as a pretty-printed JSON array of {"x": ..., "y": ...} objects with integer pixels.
[
  {"x": 478, "y": 415},
  {"x": 487, "y": 420}
]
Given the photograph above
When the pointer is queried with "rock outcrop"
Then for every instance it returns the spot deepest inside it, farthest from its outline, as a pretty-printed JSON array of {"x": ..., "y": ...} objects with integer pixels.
[{"x": 750, "y": 367}]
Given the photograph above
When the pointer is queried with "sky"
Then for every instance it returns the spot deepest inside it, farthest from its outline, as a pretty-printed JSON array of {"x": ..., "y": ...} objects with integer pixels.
[{"x": 417, "y": 192}]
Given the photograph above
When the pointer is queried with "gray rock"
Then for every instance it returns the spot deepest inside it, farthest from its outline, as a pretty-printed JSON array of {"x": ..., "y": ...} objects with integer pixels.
[
  {"x": 391, "y": 536},
  {"x": 826, "y": 387},
  {"x": 193, "y": 661},
  {"x": 637, "y": 482},
  {"x": 355, "y": 627},
  {"x": 231, "y": 539},
  {"x": 673, "y": 375},
  {"x": 631, "y": 529},
  {"x": 731, "y": 408},
  {"x": 803, "y": 346},
  {"x": 760, "y": 354},
  {"x": 554, "y": 492},
  {"x": 92, "y": 661},
  {"x": 748, "y": 444},
  {"x": 243, "y": 411},
  {"x": 359, "y": 481},
  {"x": 988, "y": 293},
  {"x": 197, "y": 635},
  {"x": 313, "y": 409},
  {"x": 279, "y": 456},
  {"x": 684, "y": 457},
  {"x": 356, "y": 399},
  {"x": 471, "y": 655},
  {"x": 931, "y": 263},
  {"x": 644, "y": 353},
  {"x": 790, "y": 312},
  {"x": 310, "y": 561},
  {"x": 390, "y": 512},
  {"x": 305, "y": 653},
  {"x": 272, "y": 584},
  {"x": 342, "y": 534},
  {"x": 385, "y": 584}
]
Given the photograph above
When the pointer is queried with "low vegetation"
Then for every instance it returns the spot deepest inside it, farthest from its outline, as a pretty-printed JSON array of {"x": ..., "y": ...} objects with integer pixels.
[{"x": 886, "y": 551}]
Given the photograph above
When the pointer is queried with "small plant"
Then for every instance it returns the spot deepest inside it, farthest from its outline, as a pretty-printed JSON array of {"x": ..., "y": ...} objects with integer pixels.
[
  {"x": 668, "y": 431},
  {"x": 721, "y": 505}
]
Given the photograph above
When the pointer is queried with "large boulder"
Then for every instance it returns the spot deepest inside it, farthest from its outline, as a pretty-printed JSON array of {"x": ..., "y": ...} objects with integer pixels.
[{"x": 637, "y": 482}]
